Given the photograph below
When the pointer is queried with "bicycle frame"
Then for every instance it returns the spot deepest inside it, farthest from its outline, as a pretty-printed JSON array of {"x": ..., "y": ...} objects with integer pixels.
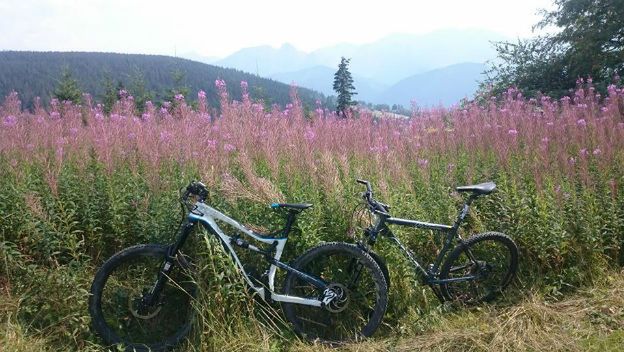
[
  {"x": 207, "y": 216},
  {"x": 430, "y": 275}
]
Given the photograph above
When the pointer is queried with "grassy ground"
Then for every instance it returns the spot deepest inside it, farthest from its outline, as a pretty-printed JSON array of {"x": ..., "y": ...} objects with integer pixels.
[{"x": 591, "y": 319}]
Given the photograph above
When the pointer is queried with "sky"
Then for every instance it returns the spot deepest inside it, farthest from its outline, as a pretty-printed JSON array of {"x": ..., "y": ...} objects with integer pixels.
[{"x": 219, "y": 28}]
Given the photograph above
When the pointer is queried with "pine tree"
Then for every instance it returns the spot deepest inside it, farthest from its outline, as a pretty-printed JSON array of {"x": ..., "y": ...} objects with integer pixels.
[
  {"x": 110, "y": 93},
  {"x": 138, "y": 89},
  {"x": 67, "y": 88},
  {"x": 343, "y": 85}
]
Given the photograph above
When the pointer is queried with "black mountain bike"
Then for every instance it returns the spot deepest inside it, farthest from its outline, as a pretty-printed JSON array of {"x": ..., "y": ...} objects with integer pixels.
[
  {"x": 476, "y": 270},
  {"x": 143, "y": 297}
]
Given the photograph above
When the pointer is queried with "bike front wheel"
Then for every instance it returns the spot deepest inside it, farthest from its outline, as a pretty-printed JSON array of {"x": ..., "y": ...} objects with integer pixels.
[
  {"x": 480, "y": 268},
  {"x": 363, "y": 294},
  {"x": 116, "y": 305}
]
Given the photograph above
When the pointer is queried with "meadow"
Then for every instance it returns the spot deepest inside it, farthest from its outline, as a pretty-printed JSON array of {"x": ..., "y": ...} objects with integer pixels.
[{"x": 77, "y": 185}]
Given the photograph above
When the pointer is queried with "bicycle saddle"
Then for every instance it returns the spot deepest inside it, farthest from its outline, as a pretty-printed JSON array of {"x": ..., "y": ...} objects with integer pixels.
[
  {"x": 481, "y": 188},
  {"x": 299, "y": 206}
]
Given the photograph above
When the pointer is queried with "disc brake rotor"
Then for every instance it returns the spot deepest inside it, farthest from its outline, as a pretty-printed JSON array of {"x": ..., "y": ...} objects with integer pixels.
[
  {"x": 134, "y": 302},
  {"x": 341, "y": 301}
]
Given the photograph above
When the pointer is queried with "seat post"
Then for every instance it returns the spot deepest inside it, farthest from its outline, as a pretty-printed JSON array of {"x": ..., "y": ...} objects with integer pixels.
[
  {"x": 290, "y": 220},
  {"x": 464, "y": 211}
]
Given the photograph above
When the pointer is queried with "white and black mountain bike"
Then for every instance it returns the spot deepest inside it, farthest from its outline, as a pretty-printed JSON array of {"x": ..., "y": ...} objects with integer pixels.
[{"x": 143, "y": 296}]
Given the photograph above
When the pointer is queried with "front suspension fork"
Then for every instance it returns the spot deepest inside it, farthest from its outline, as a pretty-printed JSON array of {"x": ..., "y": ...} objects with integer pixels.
[{"x": 153, "y": 295}]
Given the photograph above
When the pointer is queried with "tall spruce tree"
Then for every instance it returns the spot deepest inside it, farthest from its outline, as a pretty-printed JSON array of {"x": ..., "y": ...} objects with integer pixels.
[
  {"x": 343, "y": 85},
  {"x": 109, "y": 97},
  {"x": 67, "y": 88}
]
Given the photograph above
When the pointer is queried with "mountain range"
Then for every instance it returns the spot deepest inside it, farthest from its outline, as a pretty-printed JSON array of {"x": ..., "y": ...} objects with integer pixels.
[{"x": 433, "y": 68}]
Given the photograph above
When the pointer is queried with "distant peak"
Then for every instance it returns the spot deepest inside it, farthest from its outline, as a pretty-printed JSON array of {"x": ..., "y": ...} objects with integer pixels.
[{"x": 288, "y": 46}]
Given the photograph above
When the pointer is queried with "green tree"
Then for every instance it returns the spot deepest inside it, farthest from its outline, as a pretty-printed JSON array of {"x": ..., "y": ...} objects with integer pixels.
[
  {"x": 179, "y": 83},
  {"x": 589, "y": 43},
  {"x": 138, "y": 89},
  {"x": 343, "y": 85},
  {"x": 110, "y": 93},
  {"x": 67, "y": 88}
]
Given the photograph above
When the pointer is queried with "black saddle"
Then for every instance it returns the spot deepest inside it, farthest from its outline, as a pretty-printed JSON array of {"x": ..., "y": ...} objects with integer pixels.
[
  {"x": 298, "y": 206},
  {"x": 481, "y": 188}
]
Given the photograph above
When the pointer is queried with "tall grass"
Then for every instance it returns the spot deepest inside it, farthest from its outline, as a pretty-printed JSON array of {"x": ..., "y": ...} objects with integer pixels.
[{"x": 76, "y": 185}]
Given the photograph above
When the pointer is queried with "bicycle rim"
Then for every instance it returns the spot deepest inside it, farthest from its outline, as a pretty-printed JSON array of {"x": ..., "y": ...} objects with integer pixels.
[
  {"x": 350, "y": 318},
  {"x": 155, "y": 327},
  {"x": 493, "y": 267}
]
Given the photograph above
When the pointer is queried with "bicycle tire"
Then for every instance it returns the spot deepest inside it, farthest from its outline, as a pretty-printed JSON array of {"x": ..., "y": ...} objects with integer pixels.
[
  {"x": 112, "y": 303},
  {"x": 336, "y": 263},
  {"x": 383, "y": 266},
  {"x": 494, "y": 270}
]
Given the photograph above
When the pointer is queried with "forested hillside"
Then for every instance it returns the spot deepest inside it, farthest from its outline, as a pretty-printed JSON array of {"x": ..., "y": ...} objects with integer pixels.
[{"x": 34, "y": 74}]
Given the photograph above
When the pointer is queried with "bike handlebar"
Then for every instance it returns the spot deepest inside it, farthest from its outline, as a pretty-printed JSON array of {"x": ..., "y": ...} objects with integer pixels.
[
  {"x": 196, "y": 188},
  {"x": 365, "y": 182},
  {"x": 368, "y": 195}
]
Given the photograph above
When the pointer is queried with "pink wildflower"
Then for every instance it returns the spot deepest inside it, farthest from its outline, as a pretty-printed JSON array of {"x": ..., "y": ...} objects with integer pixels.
[
  {"x": 10, "y": 121},
  {"x": 309, "y": 135}
]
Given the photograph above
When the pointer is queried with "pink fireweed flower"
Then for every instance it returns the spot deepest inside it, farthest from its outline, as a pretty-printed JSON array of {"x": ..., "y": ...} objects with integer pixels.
[
  {"x": 244, "y": 85},
  {"x": 211, "y": 144},
  {"x": 597, "y": 151},
  {"x": 220, "y": 84},
  {"x": 10, "y": 121},
  {"x": 583, "y": 152},
  {"x": 73, "y": 131},
  {"x": 545, "y": 140},
  {"x": 423, "y": 162},
  {"x": 581, "y": 122},
  {"x": 55, "y": 115},
  {"x": 379, "y": 149},
  {"x": 309, "y": 135},
  {"x": 572, "y": 160},
  {"x": 512, "y": 132},
  {"x": 604, "y": 109},
  {"x": 165, "y": 136},
  {"x": 201, "y": 94},
  {"x": 228, "y": 147},
  {"x": 179, "y": 97},
  {"x": 550, "y": 123}
]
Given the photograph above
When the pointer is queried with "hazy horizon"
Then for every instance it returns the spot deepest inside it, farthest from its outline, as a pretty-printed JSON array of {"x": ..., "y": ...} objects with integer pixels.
[{"x": 220, "y": 29}]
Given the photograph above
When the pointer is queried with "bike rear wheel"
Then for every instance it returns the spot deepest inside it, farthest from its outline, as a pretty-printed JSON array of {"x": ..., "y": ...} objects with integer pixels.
[
  {"x": 350, "y": 270},
  {"x": 119, "y": 316},
  {"x": 490, "y": 258}
]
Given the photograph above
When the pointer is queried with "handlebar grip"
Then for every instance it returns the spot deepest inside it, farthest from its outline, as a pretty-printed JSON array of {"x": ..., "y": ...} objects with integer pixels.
[
  {"x": 361, "y": 181},
  {"x": 197, "y": 188}
]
